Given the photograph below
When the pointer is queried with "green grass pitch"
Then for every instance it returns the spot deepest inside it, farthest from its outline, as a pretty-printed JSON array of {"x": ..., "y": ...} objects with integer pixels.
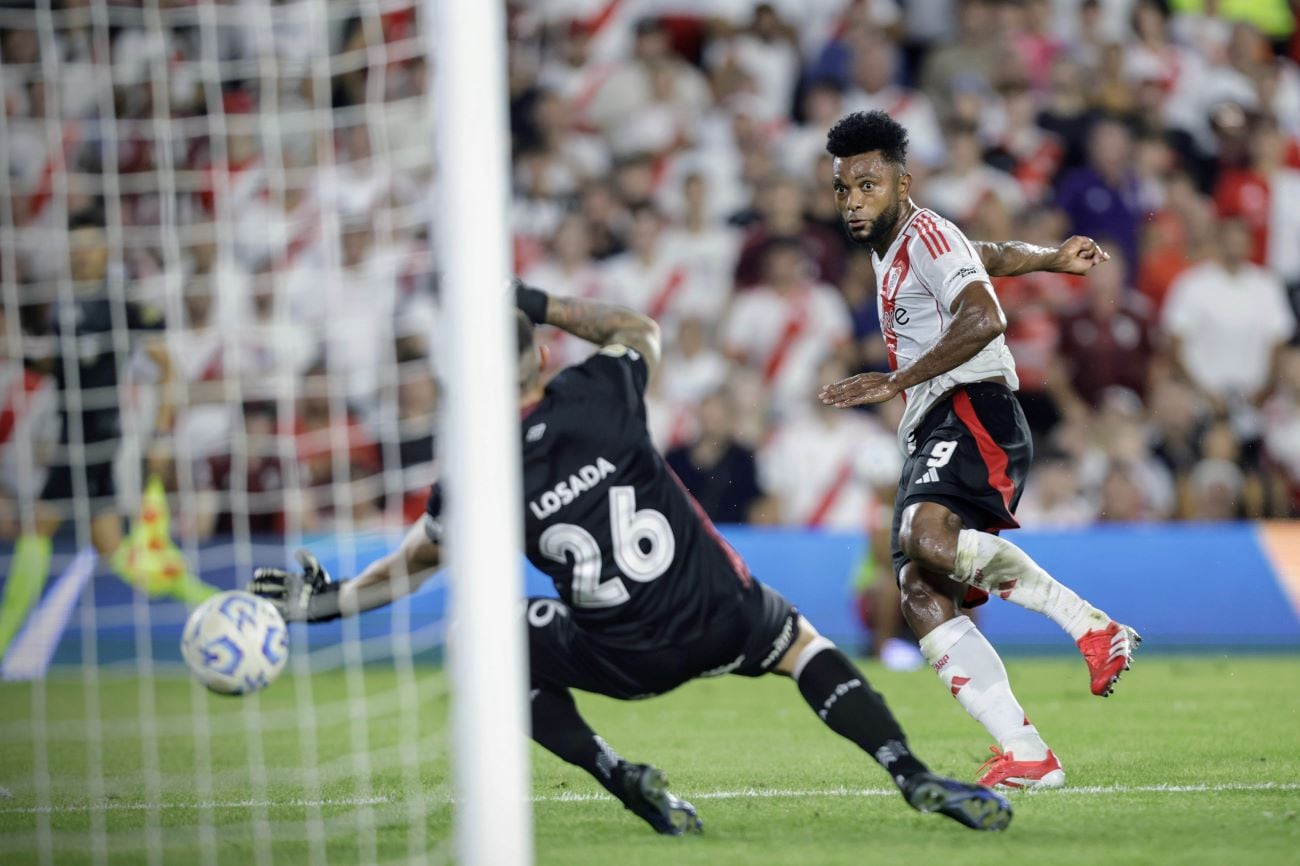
[{"x": 1196, "y": 760}]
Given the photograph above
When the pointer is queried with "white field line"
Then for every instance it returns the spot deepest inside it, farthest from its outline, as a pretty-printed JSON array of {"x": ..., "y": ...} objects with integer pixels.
[{"x": 739, "y": 794}]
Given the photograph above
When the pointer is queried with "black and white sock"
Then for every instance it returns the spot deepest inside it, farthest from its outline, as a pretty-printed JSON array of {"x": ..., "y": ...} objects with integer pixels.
[
  {"x": 843, "y": 699},
  {"x": 560, "y": 729}
]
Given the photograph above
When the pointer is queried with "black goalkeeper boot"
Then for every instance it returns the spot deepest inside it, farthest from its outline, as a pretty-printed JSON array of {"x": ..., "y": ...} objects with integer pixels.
[{"x": 645, "y": 793}]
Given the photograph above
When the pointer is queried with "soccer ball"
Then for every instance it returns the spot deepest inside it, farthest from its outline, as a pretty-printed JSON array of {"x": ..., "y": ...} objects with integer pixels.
[{"x": 235, "y": 643}]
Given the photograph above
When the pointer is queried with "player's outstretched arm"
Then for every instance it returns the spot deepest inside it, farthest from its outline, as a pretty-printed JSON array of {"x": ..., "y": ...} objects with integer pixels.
[
  {"x": 594, "y": 321},
  {"x": 313, "y": 596},
  {"x": 1076, "y": 255},
  {"x": 977, "y": 321}
]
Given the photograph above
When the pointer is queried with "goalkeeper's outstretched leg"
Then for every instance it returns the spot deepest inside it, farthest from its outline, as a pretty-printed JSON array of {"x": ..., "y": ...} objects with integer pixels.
[{"x": 641, "y": 788}]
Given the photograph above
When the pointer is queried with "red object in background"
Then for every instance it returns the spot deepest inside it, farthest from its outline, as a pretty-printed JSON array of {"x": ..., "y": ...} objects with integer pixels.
[
  {"x": 1244, "y": 193},
  {"x": 1032, "y": 303},
  {"x": 1165, "y": 255},
  {"x": 265, "y": 475},
  {"x": 686, "y": 33}
]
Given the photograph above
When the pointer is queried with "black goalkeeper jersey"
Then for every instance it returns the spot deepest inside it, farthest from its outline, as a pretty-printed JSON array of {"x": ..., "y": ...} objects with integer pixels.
[
  {"x": 630, "y": 552},
  {"x": 85, "y": 332}
]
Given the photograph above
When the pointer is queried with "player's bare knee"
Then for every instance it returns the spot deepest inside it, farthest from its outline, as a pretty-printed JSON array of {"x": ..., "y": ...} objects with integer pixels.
[
  {"x": 928, "y": 536},
  {"x": 924, "y": 606}
]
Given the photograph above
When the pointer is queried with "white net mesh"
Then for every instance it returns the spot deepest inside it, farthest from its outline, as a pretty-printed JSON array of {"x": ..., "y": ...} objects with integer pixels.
[{"x": 258, "y": 175}]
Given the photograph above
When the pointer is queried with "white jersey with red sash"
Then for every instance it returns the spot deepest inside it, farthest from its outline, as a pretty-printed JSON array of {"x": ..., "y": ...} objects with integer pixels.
[
  {"x": 658, "y": 288},
  {"x": 918, "y": 280},
  {"x": 786, "y": 336},
  {"x": 827, "y": 471}
]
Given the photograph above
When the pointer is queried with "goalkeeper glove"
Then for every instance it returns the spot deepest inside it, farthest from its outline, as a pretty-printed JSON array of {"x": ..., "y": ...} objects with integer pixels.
[
  {"x": 531, "y": 301},
  {"x": 307, "y": 596}
]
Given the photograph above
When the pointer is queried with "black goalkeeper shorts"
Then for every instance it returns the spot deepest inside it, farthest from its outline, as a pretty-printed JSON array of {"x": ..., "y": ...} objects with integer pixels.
[
  {"x": 973, "y": 453},
  {"x": 61, "y": 485},
  {"x": 564, "y": 654}
]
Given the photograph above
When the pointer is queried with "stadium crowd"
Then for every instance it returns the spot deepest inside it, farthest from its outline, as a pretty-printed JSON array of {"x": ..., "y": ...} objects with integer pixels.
[{"x": 669, "y": 156}]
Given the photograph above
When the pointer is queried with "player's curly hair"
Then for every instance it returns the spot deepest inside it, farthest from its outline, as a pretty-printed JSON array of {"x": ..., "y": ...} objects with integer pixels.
[{"x": 864, "y": 131}]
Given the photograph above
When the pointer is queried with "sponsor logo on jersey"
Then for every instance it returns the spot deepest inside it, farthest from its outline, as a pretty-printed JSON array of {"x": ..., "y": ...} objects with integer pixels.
[
  {"x": 566, "y": 491},
  {"x": 966, "y": 272},
  {"x": 896, "y": 316},
  {"x": 535, "y": 432}
]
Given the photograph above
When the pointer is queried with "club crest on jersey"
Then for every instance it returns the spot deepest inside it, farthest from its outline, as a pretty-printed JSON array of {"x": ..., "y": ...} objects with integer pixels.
[
  {"x": 892, "y": 278},
  {"x": 566, "y": 491}
]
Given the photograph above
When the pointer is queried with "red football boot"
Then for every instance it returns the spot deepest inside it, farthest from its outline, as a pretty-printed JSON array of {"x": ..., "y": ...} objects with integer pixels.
[
  {"x": 1003, "y": 769},
  {"x": 1108, "y": 652}
]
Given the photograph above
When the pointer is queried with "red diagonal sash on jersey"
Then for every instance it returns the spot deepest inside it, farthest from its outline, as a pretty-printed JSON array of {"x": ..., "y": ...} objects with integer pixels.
[
  {"x": 56, "y": 161},
  {"x": 18, "y": 401},
  {"x": 795, "y": 324},
  {"x": 832, "y": 495},
  {"x": 659, "y": 303},
  {"x": 895, "y": 274}
]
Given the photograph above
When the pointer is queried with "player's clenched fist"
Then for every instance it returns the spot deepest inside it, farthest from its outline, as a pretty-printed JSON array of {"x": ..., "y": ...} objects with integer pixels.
[
  {"x": 306, "y": 596},
  {"x": 1078, "y": 255}
]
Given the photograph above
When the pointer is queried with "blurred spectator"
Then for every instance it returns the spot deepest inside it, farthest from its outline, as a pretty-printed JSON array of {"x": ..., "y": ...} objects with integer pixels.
[
  {"x": 1023, "y": 148},
  {"x": 1262, "y": 195},
  {"x": 567, "y": 269},
  {"x": 694, "y": 368},
  {"x": 1107, "y": 341},
  {"x": 691, "y": 371},
  {"x": 707, "y": 248},
  {"x": 1067, "y": 112},
  {"x": 1031, "y": 36},
  {"x": 976, "y": 53},
  {"x": 245, "y": 487},
  {"x": 1033, "y": 304},
  {"x": 968, "y": 188},
  {"x": 1178, "y": 425},
  {"x": 333, "y": 450},
  {"x": 1102, "y": 198},
  {"x": 1227, "y": 321},
  {"x": 876, "y": 66},
  {"x": 781, "y": 214},
  {"x": 767, "y": 53},
  {"x": 652, "y": 276},
  {"x": 804, "y": 144},
  {"x": 1174, "y": 238},
  {"x": 1282, "y": 435},
  {"x": 1148, "y": 491},
  {"x": 830, "y": 468},
  {"x": 1052, "y": 495},
  {"x": 859, "y": 290},
  {"x": 629, "y": 108},
  {"x": 785, "y": 327},
  {"x": 720, "y": 473},
  {"x": 1216, "y": 488}
]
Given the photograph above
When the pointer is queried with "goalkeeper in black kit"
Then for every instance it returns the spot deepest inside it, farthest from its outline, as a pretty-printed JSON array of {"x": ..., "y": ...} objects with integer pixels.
[{"x": 651, "y": 596}]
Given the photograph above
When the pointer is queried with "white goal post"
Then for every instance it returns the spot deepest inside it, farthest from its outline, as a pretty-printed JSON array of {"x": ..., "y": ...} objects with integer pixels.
[{"x": 486, "y": 653}]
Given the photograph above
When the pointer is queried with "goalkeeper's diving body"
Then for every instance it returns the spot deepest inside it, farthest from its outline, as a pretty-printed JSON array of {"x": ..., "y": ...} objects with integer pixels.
[{"x": 651, "y": 596}]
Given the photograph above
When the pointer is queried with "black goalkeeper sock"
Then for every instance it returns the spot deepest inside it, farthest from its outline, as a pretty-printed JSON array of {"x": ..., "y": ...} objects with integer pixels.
[
  {"x": 559, "y": 728},
  {"x": 841, "y": 696}
]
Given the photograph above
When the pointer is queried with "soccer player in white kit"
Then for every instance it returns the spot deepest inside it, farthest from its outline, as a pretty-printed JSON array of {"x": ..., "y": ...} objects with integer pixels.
[{"x": 966, "y": 442}]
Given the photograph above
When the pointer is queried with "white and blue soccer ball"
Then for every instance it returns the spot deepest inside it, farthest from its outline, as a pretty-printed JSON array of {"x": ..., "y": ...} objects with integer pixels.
[{"x": 235, "y": 643}]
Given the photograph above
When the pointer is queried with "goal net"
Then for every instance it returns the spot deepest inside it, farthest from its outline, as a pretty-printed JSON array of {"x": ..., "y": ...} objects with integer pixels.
[{"x": 221, "y": 344}]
